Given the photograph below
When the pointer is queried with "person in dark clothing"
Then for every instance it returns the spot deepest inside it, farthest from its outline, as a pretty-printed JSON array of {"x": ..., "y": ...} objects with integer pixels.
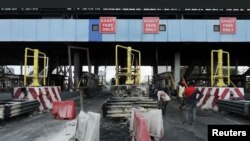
[{"x": 190, "y": 97}]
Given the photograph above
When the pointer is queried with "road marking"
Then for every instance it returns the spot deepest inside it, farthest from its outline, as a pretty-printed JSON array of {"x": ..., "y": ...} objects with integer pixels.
[{"x": 233, "y": 120}]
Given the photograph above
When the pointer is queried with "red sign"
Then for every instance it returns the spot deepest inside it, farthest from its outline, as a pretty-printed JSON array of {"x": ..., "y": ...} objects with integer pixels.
[
  {"x": 227, "y": 25},
  {"x": 151, "y": 24},
  {"x": 107, "y": 24}
]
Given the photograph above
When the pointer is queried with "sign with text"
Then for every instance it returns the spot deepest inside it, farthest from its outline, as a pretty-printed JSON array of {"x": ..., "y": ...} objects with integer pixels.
[
  {"x": 225, "y": 132},
  {"x": 151, "y": 25},
  {"x": 107, "y": 24},
  {"x": 227, "y": 25}
]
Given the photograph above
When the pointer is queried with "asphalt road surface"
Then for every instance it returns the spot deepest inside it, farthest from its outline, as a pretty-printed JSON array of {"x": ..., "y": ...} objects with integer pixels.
[{"x": 42, "y": 127}]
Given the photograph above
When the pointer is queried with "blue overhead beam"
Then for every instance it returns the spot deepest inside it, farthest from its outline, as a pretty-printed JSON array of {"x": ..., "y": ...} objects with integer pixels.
[{"x": 127, "y": 30}]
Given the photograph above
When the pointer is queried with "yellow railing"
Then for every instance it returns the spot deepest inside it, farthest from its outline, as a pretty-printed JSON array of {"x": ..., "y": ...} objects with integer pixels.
[
  {"x": 136, "y": 73},
  {"x": 35, "y": 81},
  {"x": 220, "y": 77}
]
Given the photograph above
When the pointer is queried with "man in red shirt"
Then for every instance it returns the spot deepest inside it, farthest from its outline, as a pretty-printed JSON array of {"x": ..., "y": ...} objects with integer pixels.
[
  {"x": 189, "y": 91},
  {"x": 190, "y": 96}
]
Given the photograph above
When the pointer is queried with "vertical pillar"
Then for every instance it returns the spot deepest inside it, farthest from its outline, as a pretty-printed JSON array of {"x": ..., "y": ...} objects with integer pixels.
[
  {"x": 80, "y": 68},
  {"x": 57, "y": 65},
  {"x": 81, "y": 98},
  {"x": 65, "y": 70},
  {"x": 167, "y": 64},
  {"x": 236, "y": 67},
  {"x": 177, "y": 71},
  {"x": 57, "y": 69},
  {"x": 96, "y": 69},
  {"x": 70, "y": 70},
  {"x": 35, "y": 69},
  {"x": 77, "y": 68},
  {"x": 21, "y": 68},
  {"x": 20, "y": 84},
  {"x": 155, "y": 66},
  {"x": 105, "y": 74},
  {"x": 220, "y": 82},
  {"x": 129, "y": 78},
  {"x": 155, "y": 70},
  {"x": 50, "y": 70}
]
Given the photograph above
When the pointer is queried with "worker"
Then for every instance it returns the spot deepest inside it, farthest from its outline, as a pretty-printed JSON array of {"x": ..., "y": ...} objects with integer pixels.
[
  {"x": 163, "y": 100},
  {"x": 181, "y": 90},
  {"x": 191, "y": 97}
]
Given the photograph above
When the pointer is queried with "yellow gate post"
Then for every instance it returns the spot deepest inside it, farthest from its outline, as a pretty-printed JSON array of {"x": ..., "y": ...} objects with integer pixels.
[
  {"x": 220, "y": 82},
  {"x": 129, "y": 80},
  {"x": 36, "y": 67},
  {"x": 220, "y": 76},
  {"x": 35, "y": 80},
  {"x": 129, "y": 72}
]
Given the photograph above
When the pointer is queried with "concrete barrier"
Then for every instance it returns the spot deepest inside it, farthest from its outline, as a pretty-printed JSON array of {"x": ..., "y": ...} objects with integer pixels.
[
  {"x": 88, "y": 126},
  {"x": 46, "y": 95},
  {"x": 154, "y": 124},
  {"x": 141, "y": 128},
  {"x": 213, "y": 94},
  {"x": 64, "y": 110}
]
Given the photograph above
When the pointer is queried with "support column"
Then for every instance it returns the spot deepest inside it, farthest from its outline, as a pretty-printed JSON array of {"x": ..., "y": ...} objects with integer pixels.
[
  {"x": 57, "y": 69},
  {"x": 65, "y": 70},
  {"x": 155, "y": 70},
  {"x": 20, "y": 83},
  {"x": 96, "y": 69},
  {"x": 167, "y": 63},
  {"x": 36, "y": 68},
  {"x": 81, "y": 66},
  {"x": 236, "y": 67},
  {"x": 105, "y": 74},
  {"x": 155, "y": 66},
  {"x": 21, "y": 68},
  {"x": 177, "y": 70},
  {"x": 77, "y": 68},
  {"x": 70, "y": 70}
]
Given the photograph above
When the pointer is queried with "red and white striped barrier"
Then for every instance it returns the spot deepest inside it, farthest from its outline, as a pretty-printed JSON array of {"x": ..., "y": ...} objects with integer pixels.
[
  {"x": 45, "y": 95},
  {"x": 213, "y": 94}
]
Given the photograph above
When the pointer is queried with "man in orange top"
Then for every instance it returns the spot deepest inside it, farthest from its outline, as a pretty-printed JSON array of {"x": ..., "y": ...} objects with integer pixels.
[{"x": 190, "y": 96}]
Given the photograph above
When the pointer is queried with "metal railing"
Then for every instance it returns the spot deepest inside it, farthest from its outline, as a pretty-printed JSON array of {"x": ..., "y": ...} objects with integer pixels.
[
  {"x": 35, "y": 75},
  {"x": 220, "y": 77},
  {"x": 130, "y": 72}
]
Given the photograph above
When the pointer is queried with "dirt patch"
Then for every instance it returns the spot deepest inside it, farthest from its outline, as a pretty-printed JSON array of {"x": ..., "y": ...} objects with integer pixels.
[{"x": 114, "y": 130}]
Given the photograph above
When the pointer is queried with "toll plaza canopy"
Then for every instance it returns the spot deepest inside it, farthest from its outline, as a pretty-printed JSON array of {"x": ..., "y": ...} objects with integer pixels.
[
  {"x": 127, "y": 30},
  {"x": 164, "y": 38},
  {"x": 172, "y": 35}
]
